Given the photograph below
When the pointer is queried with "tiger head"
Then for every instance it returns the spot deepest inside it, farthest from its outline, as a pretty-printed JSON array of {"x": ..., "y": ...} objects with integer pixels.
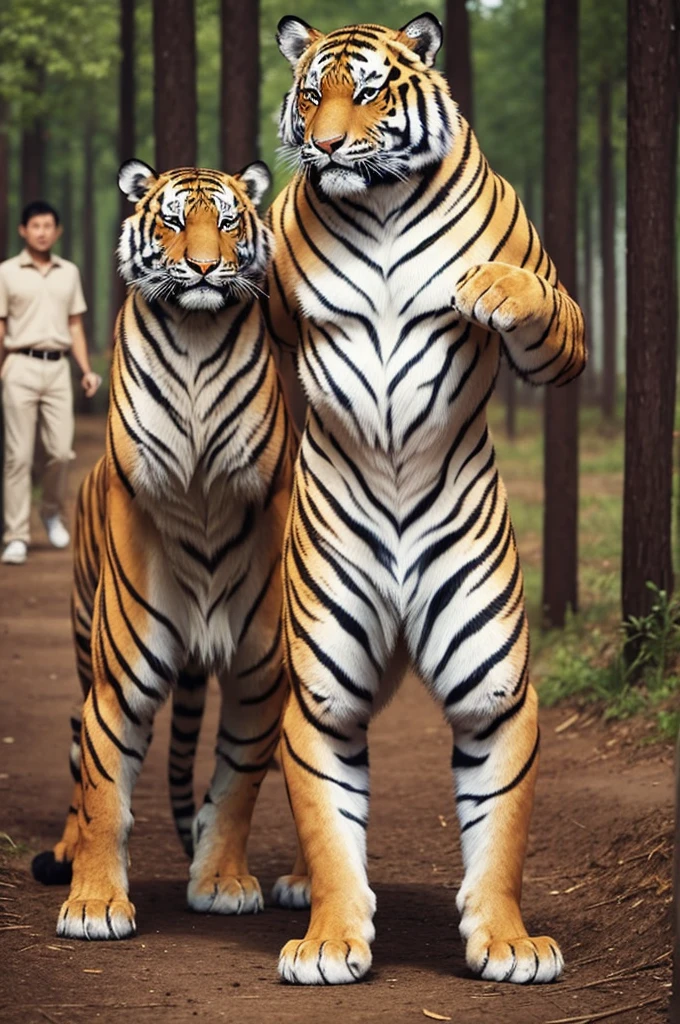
[
  {"x": 195, "y": 238},
  {"x": 366, "y": 106}
]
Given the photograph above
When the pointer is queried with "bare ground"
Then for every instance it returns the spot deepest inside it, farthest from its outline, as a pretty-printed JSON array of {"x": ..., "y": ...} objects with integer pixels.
[{"x": 597, "y": 876}]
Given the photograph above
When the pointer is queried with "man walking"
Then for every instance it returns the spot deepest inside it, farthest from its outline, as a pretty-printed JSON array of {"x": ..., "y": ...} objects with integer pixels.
[{"x": 41, "y": 308}]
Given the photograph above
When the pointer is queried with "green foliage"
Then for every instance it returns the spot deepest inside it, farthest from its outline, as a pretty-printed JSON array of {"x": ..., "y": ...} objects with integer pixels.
[
  {"x": 589, "y": 668},
  {"x": 507, "y": 46}
]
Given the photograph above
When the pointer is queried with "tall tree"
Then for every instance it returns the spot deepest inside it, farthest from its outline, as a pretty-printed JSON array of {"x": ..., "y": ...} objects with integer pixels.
[
  {"x": 89, "y": 227},
  {"x": 458, "y": 55},
  {"x": 651, "y": 335},
  {"x": 66, "y": 208},
  {"x": 174, "y": 45},
  {"x": 240, "y": 83},
  {"x": 607, "y": 249},
  {"x": 4, "y": 179},
  {"x": 586, "y": 288},
  {"x": 560, "y": 514},
  {"x": 126, "y": 136}
]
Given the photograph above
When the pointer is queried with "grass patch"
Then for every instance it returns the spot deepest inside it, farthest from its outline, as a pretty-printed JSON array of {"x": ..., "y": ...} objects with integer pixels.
[{"x": 585, "y": 661}]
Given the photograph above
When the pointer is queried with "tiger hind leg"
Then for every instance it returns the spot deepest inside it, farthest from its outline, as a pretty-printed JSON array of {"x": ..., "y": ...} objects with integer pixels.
[
  {"x": 294, "y": 891},
  {"x": 54, "y": 867},
  {"x": 471, "y": 647},
  {"x": 188, "y": 703}
]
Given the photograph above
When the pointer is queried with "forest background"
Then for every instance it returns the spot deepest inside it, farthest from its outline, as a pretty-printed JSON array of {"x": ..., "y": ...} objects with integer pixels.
[{"x": 81, "y": 89}]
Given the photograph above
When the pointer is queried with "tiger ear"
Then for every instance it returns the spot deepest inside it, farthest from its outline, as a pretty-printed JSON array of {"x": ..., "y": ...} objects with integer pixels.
[
  {"x": 256, "y": 179},
  {"x": 294, "y": 36},
  {"x": 424, "y": 36},
  {"x": 135, "y": 178}
]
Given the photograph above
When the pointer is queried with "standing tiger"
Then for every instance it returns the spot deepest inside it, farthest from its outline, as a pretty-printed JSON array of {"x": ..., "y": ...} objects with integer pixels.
[
  {"x": 402, "y": 265},
  {"x": 178, "y": 546}
]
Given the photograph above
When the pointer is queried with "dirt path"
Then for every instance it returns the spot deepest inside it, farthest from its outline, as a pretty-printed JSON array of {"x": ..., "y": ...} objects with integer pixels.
[{"x": 597, "y": 877}]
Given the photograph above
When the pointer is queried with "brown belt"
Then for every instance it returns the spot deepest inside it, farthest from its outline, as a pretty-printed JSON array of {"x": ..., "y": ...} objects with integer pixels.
[{"x": 37, "y": 353}]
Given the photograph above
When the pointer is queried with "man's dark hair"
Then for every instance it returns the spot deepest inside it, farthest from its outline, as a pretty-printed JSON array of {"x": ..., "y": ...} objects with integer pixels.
[{"x": 36, "y": 209}]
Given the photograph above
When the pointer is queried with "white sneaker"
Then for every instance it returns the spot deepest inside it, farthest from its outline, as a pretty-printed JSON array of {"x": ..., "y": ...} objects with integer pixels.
[
  {"x": 14, "y": 553},
  {"x": 57, "y": 534}
]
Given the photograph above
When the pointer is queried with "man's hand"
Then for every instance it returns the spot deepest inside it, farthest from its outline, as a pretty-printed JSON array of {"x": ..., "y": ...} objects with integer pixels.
[{"x": 90, "y": 383}]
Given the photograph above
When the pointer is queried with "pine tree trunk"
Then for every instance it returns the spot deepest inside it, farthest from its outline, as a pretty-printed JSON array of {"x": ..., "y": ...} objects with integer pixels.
[
  {"x": 32, "y": 162},
  {"x": 586, "y": 294},
  {"x": 458, "y": 56},
  {"x": 33, "y": 141},
  {"x": 560, "y": 516},
  {"x": 89, "y": 232},
  {"x": 126, "y": 142},
  {"x": 240, "y": 83},
  {"x": 4, "y": 182},
  {"x": 607, "y": 215},
  {"x": 174, "y": 43},
  {"x": 651, "y": 334},
  {"x": 66, "y": 210}
]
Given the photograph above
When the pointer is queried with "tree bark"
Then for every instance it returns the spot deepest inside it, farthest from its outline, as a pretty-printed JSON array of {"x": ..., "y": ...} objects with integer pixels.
[
  {"x": 586, "y": 294},
  {"x": 126, "y": 141},
  {"x": 240, "y": 83},
  {"x": 33, "y": 141},
  {"x": 560, "y": 515},
  {"x": 174, "y": 43},
  {"x": 651, "y": 334},
  {"x": 458, "y": 56},
  {"x": 607, "y": 228},
  {"x": 66, "y": 211},
  {"x": 32, "y": 162},
  {"x": 4, "y": 182},
  {"x": 89, "y": 232}
]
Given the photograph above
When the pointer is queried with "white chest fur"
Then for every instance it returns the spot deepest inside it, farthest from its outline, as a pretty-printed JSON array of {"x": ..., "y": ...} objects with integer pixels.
[
  {"x": 385, "y": 357},
  {"x": 186, "y": 390}
]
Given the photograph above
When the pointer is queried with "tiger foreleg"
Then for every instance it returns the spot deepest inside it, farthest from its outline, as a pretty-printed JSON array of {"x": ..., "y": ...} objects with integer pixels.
[
  {"x": 135, "y": 657},
  {"x": 495, "y": 772},
  {"x": 541, "y": 325},
  {"x": 327, "y": 780},
  {"x": 253, "y": 692},
  {"x": 98, "y": 906}
]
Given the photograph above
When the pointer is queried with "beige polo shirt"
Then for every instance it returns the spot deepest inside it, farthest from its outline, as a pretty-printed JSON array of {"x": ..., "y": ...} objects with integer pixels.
[{"x": 37, "y": 305}]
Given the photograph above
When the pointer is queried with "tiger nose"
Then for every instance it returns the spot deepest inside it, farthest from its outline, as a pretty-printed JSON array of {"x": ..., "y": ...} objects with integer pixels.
[
  {"x": 329, "y": 145},
  {"x": 201, "y": 266}
]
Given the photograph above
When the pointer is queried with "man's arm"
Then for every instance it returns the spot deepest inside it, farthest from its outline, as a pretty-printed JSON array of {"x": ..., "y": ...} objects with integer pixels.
[
  {"x": 3, "y": 327},
  {"x": 90, "y": 381}
]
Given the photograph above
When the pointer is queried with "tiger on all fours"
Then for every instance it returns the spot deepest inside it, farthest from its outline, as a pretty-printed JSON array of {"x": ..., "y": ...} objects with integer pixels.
[
  {"x": 178, "y": 547},
  {"x": 402, "y": 266}
]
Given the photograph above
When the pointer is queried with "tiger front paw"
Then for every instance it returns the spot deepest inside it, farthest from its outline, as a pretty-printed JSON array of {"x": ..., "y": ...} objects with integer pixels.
[
  {"x": 324, "y": 961},
  {"x": 96, "y": 919},
  {"x": 499, "y": 297},
  {"x": 522, "y": 960}
]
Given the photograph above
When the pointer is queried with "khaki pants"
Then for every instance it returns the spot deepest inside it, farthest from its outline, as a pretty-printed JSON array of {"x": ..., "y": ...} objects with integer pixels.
[{"x": 35, "y": 389}]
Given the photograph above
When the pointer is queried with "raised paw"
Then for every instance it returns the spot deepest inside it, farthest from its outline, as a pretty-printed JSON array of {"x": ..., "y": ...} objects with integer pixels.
[
  {"x": 96, "y": 919},
  {"x": 292, "y": 891},
  {"x": 502, "y": 298},
  {"x": 226, "y": 894},
  {"x": 523, "y": 961},
  {"x": 324, "y": 961}
]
